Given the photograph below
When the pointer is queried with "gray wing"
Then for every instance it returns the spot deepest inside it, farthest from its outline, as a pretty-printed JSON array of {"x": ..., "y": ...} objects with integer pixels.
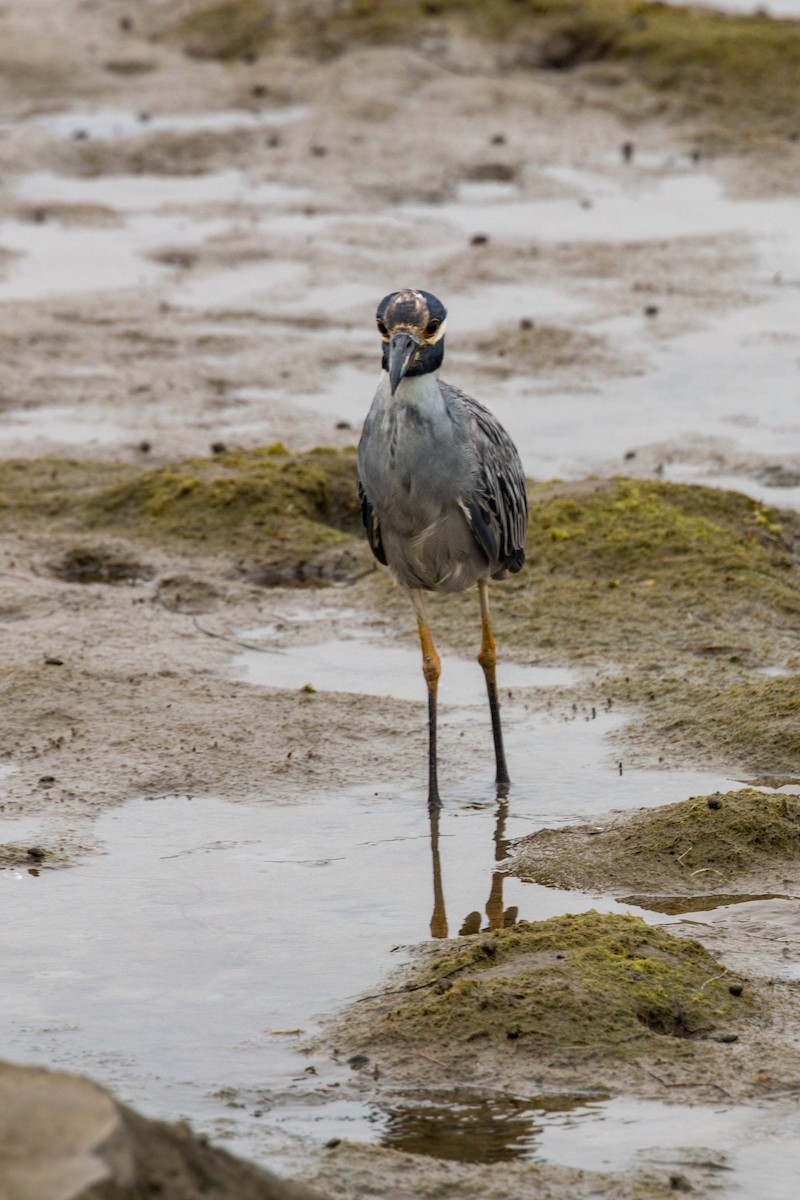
[
  {"x": 497, "y": 506},
  {"x": 372, "y": 525}
]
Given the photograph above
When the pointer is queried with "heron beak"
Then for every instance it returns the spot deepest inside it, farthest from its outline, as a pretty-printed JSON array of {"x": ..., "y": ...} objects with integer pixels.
[{"x": 401, "y": 351}]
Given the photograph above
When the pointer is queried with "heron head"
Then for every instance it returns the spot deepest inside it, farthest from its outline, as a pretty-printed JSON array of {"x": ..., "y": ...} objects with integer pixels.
[{"x": 412, "y": 327}]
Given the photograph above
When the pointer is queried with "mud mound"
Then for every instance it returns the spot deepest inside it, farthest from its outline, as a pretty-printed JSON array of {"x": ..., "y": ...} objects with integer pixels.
[
  {"x": 718, "y": 844},
  {"x": 275, "y": 517},
  {"x": 571, "y": 990},
  {"x": 692, "y": 590}
]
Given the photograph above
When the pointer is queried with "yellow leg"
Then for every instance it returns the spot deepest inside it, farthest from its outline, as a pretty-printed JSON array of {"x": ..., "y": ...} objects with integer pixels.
[
  {"x": 488, "y": 660},
  {"x": 431, "y": 669}
]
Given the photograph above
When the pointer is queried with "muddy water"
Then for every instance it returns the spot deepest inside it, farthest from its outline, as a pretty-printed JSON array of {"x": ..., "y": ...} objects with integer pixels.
[{"x": 183, "y": 964}]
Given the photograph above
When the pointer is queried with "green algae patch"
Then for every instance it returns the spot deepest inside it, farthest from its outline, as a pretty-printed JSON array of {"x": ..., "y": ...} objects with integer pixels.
[
  {"x": 667, "y": 570},
  {"x": 602, "y": 986},
  {"x": 282, "y": 515},
  {"x": 743, "y": 840},
  {"x": 751, "y": 723},
  {"x": 277, "y": 517}
]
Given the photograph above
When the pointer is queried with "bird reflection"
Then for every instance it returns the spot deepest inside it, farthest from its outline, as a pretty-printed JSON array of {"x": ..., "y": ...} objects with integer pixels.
[
  {"x": 498, "y": 917},
  {"x": 439, "y": 917}
]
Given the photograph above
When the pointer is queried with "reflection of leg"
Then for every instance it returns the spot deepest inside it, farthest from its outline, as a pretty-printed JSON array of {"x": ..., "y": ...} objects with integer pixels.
[
  {"x": 488, "y": 659},
  {"x": 439, "y": 917},
  {"x": 494, "y": 905},
  {"x": 472, "y": 924},
  {"x": 431, "y": 669}
]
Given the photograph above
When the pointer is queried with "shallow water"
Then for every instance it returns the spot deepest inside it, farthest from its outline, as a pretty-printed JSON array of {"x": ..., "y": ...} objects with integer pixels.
[
  {"x": 180, "y": 965},
  {"x": 598, "y": 1133},
  {"x": 107, "y": 124}
]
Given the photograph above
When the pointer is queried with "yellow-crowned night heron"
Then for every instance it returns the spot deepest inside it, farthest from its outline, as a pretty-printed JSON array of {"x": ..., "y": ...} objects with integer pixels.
[{"x": 441, "y": 487}]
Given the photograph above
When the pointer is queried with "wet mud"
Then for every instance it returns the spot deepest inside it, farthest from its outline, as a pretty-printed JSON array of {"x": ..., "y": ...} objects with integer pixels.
[
  {"x": 722, "y": 845},
  {"x": 204, "y": 737}
]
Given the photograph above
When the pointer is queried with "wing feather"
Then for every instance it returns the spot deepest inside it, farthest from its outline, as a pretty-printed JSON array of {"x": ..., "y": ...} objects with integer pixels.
[
  {"x": 372, "y": 525},
  {"x": 497, "y": 507}
]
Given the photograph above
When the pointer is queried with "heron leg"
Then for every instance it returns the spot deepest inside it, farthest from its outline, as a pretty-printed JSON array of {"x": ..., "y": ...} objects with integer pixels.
[
  {"x": 431, "y": 669},
  {"x": 488, "y": 660}
]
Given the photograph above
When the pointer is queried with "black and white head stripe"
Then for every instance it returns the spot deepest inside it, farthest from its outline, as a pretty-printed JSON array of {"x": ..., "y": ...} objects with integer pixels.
[{"x": 419, "y": 312}]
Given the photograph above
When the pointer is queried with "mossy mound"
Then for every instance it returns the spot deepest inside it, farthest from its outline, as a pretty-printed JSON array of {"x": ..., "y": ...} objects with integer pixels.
[
  {"x": 743, "y": 71},
  {"x": 749, "y": 722},
  {"x": 692, "y": 590},
  {"x": 280, "y": 517},
  {"x": 594, "y": 984},
  {"x": 742, "y": 841},
  {"x": 629, "y": 567}
]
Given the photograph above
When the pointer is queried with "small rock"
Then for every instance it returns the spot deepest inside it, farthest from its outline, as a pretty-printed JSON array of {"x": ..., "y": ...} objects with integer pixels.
[
  {"x": 627, "y": 150},
  {"x": 358, "y": 1061},
  {"x": 218, "y": 447},
  {"x": 736, "y": 989},
  {"x": 651, "y": 310},
  {"x": 713, "y": 802},
  {"x": 479, "y": 239},
  {"x": 52, "y": 661}
]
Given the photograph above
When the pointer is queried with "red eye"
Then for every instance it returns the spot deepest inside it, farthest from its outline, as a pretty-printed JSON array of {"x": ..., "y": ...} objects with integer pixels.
[
  {"x": 382, "y": 330},
  {"x": 432, "y": 326}
]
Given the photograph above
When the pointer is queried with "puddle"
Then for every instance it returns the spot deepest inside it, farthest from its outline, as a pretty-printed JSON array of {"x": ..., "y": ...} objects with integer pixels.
[
  {"x": 56, "y": 260},
  {"x": 645, "y": 208},
  {"x": 373, "y": 669},
  {"x": 108, "y": 124},
  {"x": 63, "y": 425},
  {"x": 130, "y": 193},
  {"x": 696, "y": 388},
  {"x": 245, "y": 288},
  {"x": 747, "y": 1151},
  {"x": 478, "y": 1129},
  {"x": 734, "y": 1148},
  {"x": 271, "y": 914}
]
